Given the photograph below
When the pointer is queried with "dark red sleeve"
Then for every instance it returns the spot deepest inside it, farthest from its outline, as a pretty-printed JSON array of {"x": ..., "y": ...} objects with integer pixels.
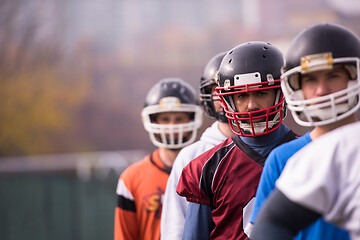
[{"x": 189, "y": 185}]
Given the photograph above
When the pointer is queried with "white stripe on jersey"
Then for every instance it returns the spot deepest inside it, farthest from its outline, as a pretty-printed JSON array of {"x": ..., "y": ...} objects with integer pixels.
[{"x": 123, "y": 191}]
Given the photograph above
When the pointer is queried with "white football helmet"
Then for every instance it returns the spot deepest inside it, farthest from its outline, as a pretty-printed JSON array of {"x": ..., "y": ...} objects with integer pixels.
[
  {"x": 320, "y": 47},
  {"x": 172, "y": 95}
]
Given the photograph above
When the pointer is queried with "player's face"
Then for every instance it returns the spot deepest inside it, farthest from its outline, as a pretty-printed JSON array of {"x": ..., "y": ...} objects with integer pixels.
[
  {"x": 324, "y": 82},
  {"x": 253, "y": 101},
  {"x": 170, "y": 118}
]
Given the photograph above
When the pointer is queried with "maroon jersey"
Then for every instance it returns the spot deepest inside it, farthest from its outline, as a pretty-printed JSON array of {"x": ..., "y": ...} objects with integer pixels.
[{"x": 226, "y": 178}]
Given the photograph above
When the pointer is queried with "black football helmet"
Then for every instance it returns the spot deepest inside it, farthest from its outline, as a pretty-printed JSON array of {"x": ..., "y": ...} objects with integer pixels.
[
  {"x": 320, "y": 47},
  {"x": 207, "y": 81},
  {"x": 249, "y": 67},
  {"x": 172, "y": 95}
]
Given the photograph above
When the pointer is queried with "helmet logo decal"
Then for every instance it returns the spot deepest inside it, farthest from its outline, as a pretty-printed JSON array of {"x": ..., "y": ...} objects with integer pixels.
[
  {"x": 169, "y": 102},
  {"x": 316, "y": 62}
]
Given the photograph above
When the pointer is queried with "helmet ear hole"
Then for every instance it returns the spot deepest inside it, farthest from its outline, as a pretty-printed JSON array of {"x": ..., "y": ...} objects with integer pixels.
[
  {"x": 295, "y": 82},
  {"x": 351, "y": 70},
  {"x": 192, "y": 116},
  {"x": 153, "y": 118}
]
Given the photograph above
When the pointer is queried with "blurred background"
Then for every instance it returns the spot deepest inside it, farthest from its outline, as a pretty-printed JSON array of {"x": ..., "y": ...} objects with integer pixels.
[{"x": 73, "y": 78}]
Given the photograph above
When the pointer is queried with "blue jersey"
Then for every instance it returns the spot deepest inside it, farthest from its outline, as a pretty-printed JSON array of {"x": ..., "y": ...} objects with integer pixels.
[{"x": 273, "y": 167}]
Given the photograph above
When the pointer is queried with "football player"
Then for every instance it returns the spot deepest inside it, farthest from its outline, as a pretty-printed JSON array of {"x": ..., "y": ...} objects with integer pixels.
[
  {"x": 220, "y": 184},
  {"x": 174, "y": 206},
  {"x": 320, "y": 83},
  {"x": 322, "y": 179},
  {"x": 172, "y": 116}
]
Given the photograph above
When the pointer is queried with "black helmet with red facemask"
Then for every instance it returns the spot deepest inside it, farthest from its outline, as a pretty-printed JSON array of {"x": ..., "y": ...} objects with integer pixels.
[
  {"x": 251, "y": 67},
  {"x": 207, "y": 82}
]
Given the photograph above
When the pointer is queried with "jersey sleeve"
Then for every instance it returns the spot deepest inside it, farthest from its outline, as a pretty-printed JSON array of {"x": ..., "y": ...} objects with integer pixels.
[
  {"x": 126, "y": 226},
  {"x": 308, "y": 180},
  {"x": 281, "y": 218},
  {"x": 174, "y": 207},
  {"x": 189, "y": 182},
  {"x": 269, "y": 175},
  {"x": 324, "y": 177},
  {"x": 273, "y": 167},
  {"x": 198, "y": 222}
]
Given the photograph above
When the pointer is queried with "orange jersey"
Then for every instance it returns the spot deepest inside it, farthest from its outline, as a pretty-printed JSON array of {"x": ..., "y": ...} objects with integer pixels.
[{"x": 140, "y": 190}]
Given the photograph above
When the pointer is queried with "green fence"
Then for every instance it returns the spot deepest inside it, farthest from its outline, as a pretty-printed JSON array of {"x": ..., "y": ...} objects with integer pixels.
[{"x": 60, "y": 206}]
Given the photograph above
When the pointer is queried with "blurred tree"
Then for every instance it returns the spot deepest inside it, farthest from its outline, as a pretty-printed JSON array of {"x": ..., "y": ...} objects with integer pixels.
[
  {"x": 36, "y": 104},
  {"x": 41, "y": 89}
]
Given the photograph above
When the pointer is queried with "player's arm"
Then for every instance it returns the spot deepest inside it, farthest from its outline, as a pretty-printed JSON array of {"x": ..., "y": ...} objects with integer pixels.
[
  {"x": 173, "y": 210},
  {"x": 126, "y": 226},
  {"x": 269, "y": 175},
  {"x": 198, "y": 222},
  {"x": 281, "y": 218}
]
